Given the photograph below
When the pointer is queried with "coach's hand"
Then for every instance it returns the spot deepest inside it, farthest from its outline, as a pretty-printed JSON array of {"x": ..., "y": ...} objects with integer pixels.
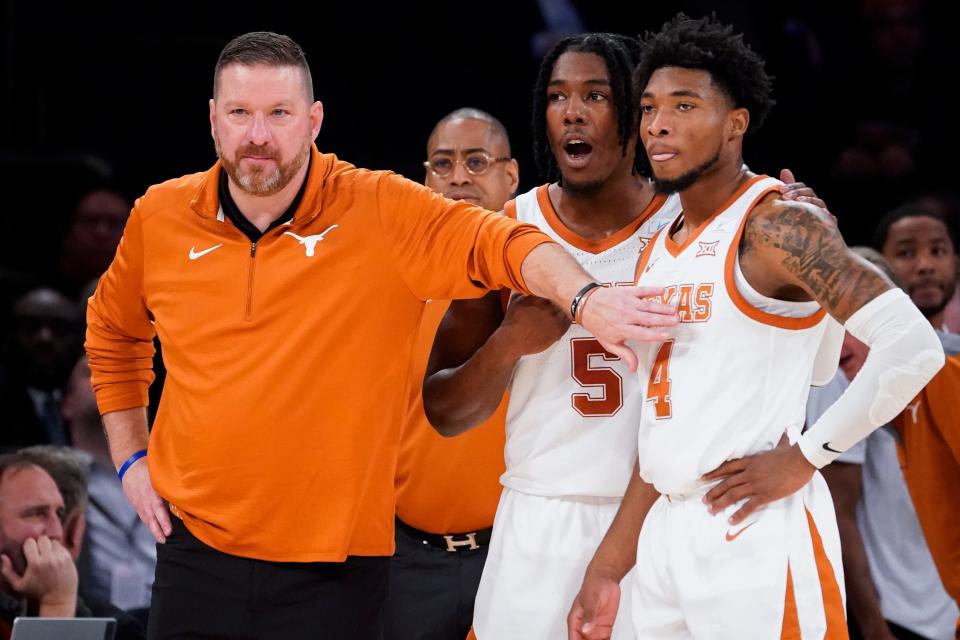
[
  {"x": 594, "y": 609},
  {"x": 150, "y": 507},
  {"x": 760, "y": 479},
  {"x": 617, "y": 314}
]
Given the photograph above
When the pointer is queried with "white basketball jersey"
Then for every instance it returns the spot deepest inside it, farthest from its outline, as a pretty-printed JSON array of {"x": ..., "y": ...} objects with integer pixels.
[
  {"x": 734, "y": 377},
  {"x": 571, "y": 424}
]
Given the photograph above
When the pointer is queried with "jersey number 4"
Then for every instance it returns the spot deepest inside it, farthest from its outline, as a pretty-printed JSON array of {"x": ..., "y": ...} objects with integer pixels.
[
  {"x": 658, "y": 388},
  {"x": 585, "y": 353}
]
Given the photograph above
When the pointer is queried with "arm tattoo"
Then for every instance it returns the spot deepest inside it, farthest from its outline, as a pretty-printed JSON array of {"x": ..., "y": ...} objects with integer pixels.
[{"x": 815, "y": 257}]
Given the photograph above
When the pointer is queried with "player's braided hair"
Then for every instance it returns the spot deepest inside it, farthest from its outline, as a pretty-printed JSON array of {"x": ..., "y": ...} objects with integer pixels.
[
  {"x": 620, "y": 54},
  {"x": 713, "y": 47}
]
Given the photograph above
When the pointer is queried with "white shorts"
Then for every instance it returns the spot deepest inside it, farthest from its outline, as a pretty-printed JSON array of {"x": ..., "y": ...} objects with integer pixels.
[
  {"x": 538, "y": 554},
  {"x": 777, "y": 575}
]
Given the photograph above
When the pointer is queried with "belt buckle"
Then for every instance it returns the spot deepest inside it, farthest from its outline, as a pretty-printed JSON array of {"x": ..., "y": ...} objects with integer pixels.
[{"x": 470, "y": 542}]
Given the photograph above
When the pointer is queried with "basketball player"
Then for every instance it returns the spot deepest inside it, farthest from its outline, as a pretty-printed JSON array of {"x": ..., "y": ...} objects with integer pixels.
[
  {"x": 753, "y": 277},
  {"x": 571, "y": 432}
]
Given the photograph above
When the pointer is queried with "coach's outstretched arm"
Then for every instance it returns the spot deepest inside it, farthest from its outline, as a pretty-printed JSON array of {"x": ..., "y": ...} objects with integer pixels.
[
  {"x": 612, "y": 314},
  {"x": 794, "y": 248}
]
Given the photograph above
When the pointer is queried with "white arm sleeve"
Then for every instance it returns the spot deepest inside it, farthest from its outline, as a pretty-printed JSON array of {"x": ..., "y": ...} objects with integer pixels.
[
  {"x": 905, "y": 354},
  {"x": 828, "y": 356}
]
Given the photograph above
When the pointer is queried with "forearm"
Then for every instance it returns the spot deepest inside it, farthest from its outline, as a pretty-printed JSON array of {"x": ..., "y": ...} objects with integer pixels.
[
  {"x": 126, "y": 432},
  {"x": 905, "y": 353},
  {"x": 552, "y": 273},
  {"x": 861, "y": 592},
  {"x": 844, "y": 480},
  {"x": 460, "y": 398},
  {"x": 617, "y": 554}
]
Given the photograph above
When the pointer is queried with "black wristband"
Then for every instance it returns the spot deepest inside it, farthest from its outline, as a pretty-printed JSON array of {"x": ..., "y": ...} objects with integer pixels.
[{"x": 579, "y": 298}]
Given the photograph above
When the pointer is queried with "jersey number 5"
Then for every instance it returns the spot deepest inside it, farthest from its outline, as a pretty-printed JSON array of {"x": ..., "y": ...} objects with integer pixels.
[
  {"x": 658, "y": 388},
  {"x": 584, "y": 352}
]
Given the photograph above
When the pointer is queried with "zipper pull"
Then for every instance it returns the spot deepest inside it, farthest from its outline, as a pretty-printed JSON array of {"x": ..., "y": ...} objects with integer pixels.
[{"x": 253, "y": 249}]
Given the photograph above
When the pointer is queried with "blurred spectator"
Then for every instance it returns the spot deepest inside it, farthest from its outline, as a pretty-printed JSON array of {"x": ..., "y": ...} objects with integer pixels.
[
  {"x": 92, "y": 236},
  {"x": 67, "y": 468},
  {"x": 119, "y": 554},
  {"x": 893, "y": 588},
  {"x": 37, "y": 575},
  {"x": 918, "y": 242},
  {"x": 42, "y": 344},
  {"x": 948, "y": 205}
]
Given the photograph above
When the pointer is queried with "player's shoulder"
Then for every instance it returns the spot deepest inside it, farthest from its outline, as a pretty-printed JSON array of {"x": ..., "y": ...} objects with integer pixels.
[
  {"x": 774, "y": 209},
  {"x": 781, "y": 225}
]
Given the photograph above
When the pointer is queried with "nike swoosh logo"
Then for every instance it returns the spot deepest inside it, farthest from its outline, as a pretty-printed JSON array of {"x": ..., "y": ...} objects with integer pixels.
[
  {"x": 194, "y": 254},
  {"x": 826, "y": 445},
  {"x": 731, "y": 537}
]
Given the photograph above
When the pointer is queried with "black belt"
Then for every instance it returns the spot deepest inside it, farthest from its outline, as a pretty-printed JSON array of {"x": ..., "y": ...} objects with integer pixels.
[{"x": 452, "y": 542}]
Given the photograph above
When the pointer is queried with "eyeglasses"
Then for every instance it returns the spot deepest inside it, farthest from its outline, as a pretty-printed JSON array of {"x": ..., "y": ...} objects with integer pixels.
[{"x": 476, "y": 163}]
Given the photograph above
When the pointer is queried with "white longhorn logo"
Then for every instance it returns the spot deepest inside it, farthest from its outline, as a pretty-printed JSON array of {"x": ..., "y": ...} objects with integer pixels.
[
  {"x": 310, "y": 242},
  {"x": 913, "y": 410}
]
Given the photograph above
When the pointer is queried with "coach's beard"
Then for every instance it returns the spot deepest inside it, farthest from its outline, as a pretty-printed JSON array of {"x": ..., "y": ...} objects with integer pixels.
[{"x": 256, "y": 181}]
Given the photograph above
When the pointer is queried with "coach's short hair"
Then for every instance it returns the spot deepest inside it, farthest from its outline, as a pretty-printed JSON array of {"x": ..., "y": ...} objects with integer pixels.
[{"x": 266, "y": 48}]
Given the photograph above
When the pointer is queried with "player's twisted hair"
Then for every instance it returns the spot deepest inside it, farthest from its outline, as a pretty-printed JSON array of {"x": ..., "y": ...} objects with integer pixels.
[
  {"x": 713, "y": 47},
  {"x": 620, "y": 54}
]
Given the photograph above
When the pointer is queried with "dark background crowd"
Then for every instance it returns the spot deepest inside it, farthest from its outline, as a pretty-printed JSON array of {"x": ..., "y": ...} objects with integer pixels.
[{"x": 100, "y": 101}]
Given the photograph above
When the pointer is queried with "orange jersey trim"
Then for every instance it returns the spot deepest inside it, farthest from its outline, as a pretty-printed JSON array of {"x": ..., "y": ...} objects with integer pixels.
[
  {"x": 645, "y": 257},
  {"x": 790, "y": 630},
  {"x": 592, "y": 246},
  {"x": 833, "y": 609},
  {"x": 676, "y": 249},
  {"x": 742, "y": 303}
]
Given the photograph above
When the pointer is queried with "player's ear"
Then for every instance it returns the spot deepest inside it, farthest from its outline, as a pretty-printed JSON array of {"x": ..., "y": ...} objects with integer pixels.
[{"x": 738, "y": 122}]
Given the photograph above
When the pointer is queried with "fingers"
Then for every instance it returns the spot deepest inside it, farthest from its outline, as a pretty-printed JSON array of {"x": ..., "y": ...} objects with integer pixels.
[
  {"x": 815, "y": 201},
  {"x": 596, "y": 631},
  {"x": 623, "y": 352},
  {"x": 30, "y": 550},
  {"x": 787, "y": 176},
  {"x": 727, "y": 468},
  {"x": 796, "y": 191},
  {"x": 151, "y": 509},
  {"x": 575, "y": 621},
  {"x": 656, "y": 314},
  {"x": 733, "y": 495},
  {"x": 743, "y": 512},
  {"x": 162, "y": 514},
  {"x": 728, "y": 483}
]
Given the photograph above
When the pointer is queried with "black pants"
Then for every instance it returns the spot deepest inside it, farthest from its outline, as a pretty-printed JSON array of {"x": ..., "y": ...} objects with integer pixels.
[
  {"x": 431, "y": 591},
  {"x": 200, "y": 592}
]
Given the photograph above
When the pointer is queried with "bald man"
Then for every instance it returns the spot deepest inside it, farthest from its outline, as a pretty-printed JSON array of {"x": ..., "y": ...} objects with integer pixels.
[{"x": 448, "y": 488}]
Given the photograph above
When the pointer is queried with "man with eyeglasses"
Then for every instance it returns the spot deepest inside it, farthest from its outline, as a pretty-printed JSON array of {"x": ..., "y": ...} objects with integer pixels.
[{"x": 447, "y": 488}]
